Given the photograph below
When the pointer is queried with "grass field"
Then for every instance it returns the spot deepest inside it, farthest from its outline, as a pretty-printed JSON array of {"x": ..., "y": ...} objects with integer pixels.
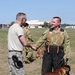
[{"x": 35, "y": 67}]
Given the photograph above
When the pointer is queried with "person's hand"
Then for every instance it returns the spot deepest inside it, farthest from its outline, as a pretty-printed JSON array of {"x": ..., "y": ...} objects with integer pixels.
[
  {"x": 39, "y": 56},
  {"x": 34, "y": 47},
  {"x": 66, "y": 60},
  {"x": 40, "y": 52}
]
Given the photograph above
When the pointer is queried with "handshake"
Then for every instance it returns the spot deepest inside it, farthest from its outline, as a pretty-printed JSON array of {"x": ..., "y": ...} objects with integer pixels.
[
  {"x": 33, "y": 47},
  {"x": 39, "y": 52}
]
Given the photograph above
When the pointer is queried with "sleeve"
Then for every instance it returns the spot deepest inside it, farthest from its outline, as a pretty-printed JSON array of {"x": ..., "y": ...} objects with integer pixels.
[
  {"x": 19, "y": 31},
  {"x": 29, "y": 36},
  {"x": 66, "y": 45},
  {"x": 41, "y": 42},
  {"x": 45, "y": 32}
]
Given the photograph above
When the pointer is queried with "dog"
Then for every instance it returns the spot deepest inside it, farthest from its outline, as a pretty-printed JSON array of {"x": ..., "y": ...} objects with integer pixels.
[
  {"x": 40, "y": 52},
  {"x": 62, "y": 71}
]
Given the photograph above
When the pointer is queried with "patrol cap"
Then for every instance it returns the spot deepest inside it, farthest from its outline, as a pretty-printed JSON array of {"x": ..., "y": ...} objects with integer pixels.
[{"x": 25, "y": 24}]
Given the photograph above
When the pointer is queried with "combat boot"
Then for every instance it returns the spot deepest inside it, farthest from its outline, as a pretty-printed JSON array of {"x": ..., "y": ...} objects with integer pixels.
[{"x": 31, "y": 59}]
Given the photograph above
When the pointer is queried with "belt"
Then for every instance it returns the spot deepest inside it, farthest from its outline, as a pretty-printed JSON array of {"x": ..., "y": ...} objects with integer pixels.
[
  {"x": 55, "y": 46},
  {"x": 15, "y": 51}
]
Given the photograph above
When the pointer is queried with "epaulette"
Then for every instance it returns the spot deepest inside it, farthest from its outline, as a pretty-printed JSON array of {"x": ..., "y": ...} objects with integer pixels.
[
  {"x": 51, "y": 29},
  {"x": 62, "y": 30},
  {"x": 45, "y": 32}
]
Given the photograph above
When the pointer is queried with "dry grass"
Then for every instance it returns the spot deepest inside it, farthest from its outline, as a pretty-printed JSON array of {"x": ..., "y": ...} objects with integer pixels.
[{"x": 35, "y": 67}]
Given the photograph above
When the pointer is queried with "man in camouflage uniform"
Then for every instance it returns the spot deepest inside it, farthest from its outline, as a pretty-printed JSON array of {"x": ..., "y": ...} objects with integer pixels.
[
  {"x": 57, "y": 46},
  {"x": 27, "y": 52}
]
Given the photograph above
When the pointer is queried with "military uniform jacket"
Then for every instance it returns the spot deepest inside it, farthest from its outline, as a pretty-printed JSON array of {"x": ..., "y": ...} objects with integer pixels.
[
  {"x": 28, "y": 35},
  {"x": 53, "y": 37}
]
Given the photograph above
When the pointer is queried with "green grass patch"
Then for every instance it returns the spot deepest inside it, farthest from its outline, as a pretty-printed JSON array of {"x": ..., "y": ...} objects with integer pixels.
[{"x": 35, "y": 67}]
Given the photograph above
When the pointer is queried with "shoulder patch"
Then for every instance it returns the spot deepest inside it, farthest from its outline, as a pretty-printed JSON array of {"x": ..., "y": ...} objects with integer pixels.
[{"x": 51, "y": 29}]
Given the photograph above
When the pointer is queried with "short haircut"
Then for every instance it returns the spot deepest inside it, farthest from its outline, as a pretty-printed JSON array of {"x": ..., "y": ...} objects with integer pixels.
[
  {"x": 25, "y": 24},
  {"x": 57, "y": 18},
  {"x": 20, "y": 15}
]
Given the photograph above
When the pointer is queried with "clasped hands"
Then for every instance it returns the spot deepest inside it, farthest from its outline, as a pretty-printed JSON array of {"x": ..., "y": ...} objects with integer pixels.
[{"x": 34, "y": 47}]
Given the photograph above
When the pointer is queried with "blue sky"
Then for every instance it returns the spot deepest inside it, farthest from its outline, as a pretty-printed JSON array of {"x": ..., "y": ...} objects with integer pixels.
[{"x": 42, "y": 10}]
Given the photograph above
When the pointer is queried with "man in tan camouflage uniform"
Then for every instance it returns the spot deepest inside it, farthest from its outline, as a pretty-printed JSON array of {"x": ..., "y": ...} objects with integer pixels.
[
  {"x": 57, "y": 46},
  {"x": 27, "y": 52}
]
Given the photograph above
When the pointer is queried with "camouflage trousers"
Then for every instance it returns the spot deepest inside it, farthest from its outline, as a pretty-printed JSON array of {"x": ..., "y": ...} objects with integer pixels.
[
  {"x": 13, "y": 69},
  {"x": 27, "y": 53}
]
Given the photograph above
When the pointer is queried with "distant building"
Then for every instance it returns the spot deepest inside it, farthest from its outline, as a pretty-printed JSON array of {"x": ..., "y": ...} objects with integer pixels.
[
  {"x": 32, "y": 24},
  {"x": 35, "y": 24},
  {"x": 4, "y": 26},
  {"x": 70, "y": 26},
  {"x": 0, "y": 26}
]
